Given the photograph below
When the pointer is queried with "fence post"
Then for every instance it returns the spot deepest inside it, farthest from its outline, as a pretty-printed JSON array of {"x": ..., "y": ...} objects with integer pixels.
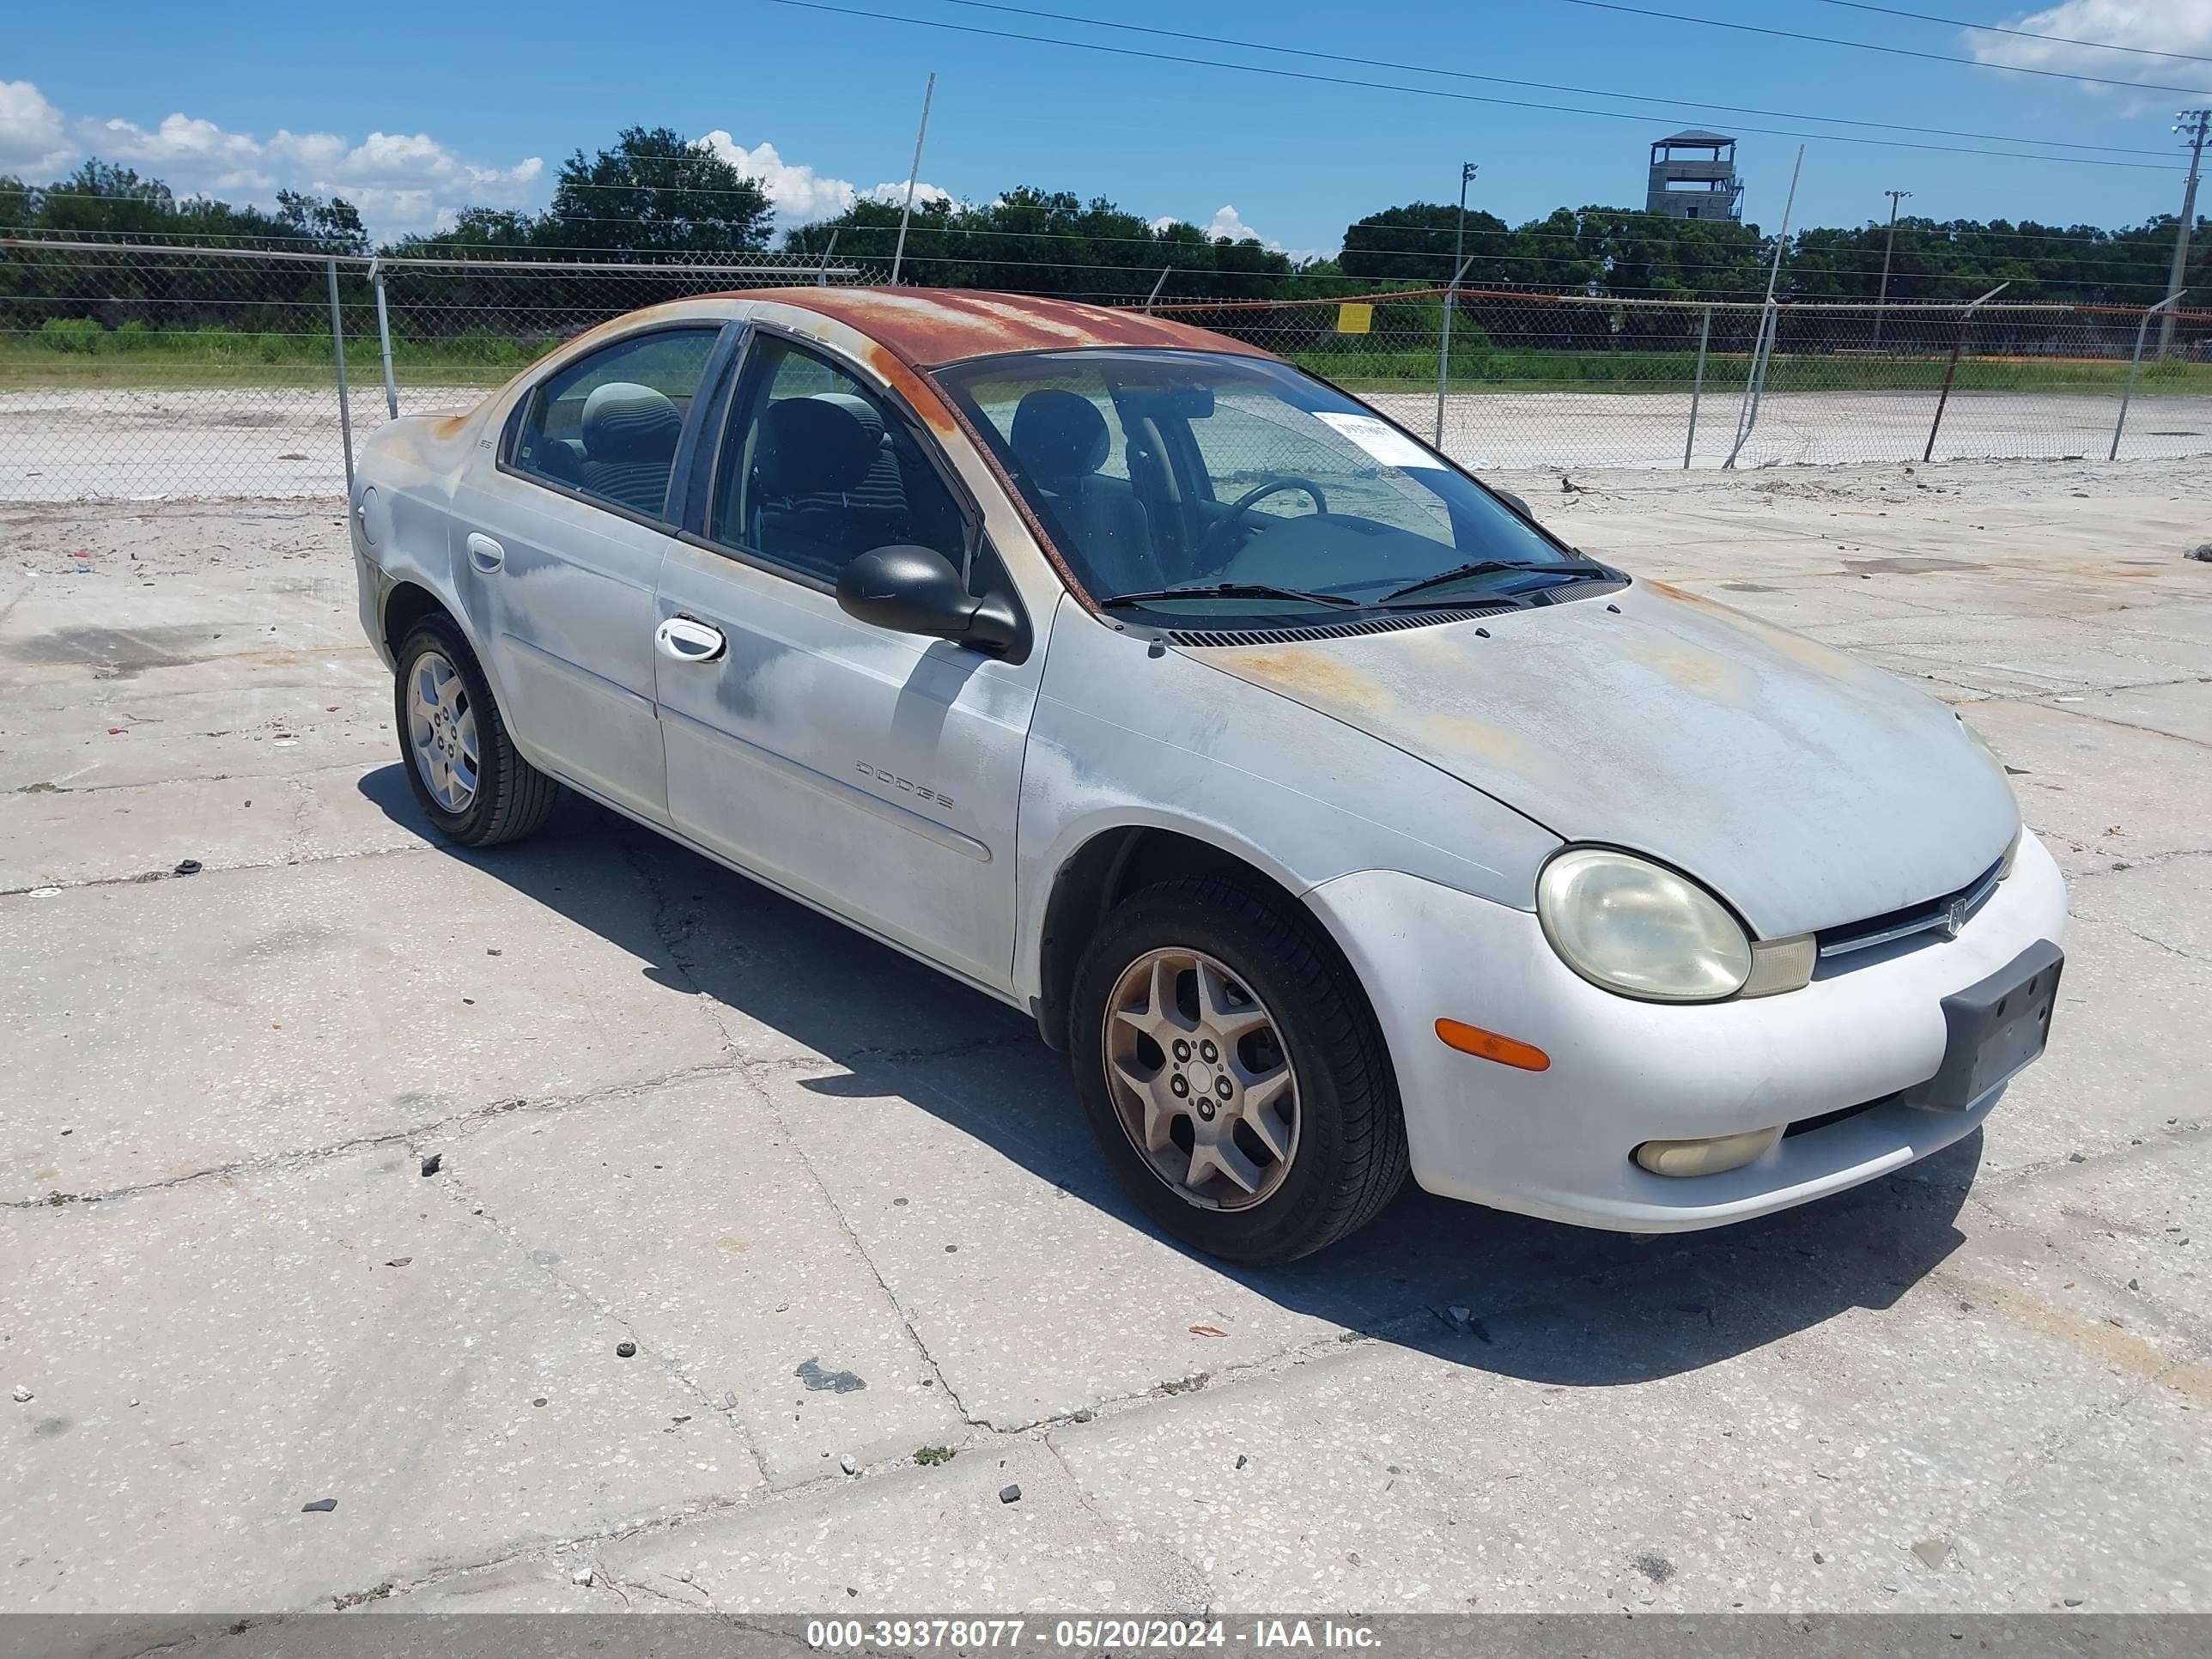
[
  {"x": 821, "y": 277},
  {"x": 1950, "y": 369},
  {"x": 338, "y": 355},
  {"x": 1443, "y": 347},
  {"x": 1697, "y": 387},
  {"x": 384, "y": 340},
  {"x": 1161, "y": 283},
  {"x": 2134, "y": 366},
  {"x": 1754, "y": 386}
]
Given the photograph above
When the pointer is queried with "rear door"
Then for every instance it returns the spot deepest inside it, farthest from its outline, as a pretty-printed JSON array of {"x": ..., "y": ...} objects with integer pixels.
[
  {"x": 558, "y": 540},
  {"x": 878, "y": 773}
]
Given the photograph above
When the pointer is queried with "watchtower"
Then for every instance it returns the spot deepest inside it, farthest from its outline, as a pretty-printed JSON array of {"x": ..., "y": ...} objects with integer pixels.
[{"x": 1693, "y": 177}]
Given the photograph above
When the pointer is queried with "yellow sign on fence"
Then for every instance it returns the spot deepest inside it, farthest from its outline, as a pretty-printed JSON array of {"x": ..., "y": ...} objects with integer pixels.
[{"x": 1354, "y": 319}]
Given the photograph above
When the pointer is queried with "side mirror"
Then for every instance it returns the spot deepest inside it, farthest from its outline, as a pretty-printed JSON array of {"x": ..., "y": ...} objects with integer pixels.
[
  {"x": 1516, "y": 503},
  {"x": 915, "y": 590}
]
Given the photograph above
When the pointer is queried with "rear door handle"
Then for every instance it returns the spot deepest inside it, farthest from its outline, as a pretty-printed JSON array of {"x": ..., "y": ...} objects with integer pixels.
[
  {"x": 682, "y": 640},
  {"x": 485, "y": 553}
]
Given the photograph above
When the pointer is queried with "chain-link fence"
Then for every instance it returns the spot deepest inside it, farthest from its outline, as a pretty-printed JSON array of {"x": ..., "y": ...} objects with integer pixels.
[
  {"x": 146, "y": 371},
  {"x": 137, "y": 370},
  {"x": 1532, "y": 380}
]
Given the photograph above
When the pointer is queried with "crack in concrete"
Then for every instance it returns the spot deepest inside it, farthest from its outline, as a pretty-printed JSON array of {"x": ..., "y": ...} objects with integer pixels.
[
  {"x": 458, "y": 1191},
  {"x": 55, "y": 888},
  {"x": 2056, "y": 707},
  {"x": 453, "y": 1122},
  {"x": 2137, "y": 932}
]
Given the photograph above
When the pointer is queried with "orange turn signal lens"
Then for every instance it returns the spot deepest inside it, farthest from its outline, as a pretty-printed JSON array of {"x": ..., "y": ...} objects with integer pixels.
[{"x": 1489, "y": 1045}]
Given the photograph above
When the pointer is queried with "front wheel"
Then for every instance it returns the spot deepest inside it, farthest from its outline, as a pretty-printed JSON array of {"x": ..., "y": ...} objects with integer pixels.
[
  {"x": 1233, "y": 1073},
  {"x": 462, "y": 766}
]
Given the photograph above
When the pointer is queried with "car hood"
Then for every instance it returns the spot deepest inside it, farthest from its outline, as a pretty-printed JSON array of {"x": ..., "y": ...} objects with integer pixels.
[{"x": 1805, "y": 788}]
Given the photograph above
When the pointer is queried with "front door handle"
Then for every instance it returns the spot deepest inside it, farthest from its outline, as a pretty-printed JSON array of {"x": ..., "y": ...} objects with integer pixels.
[
  {"x": 485, "y": 554},
  {"x": 681, "y": 640}
]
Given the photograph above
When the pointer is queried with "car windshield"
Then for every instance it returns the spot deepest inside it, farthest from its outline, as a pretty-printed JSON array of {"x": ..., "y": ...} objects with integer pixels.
[{"x": 1207, "y": 483}]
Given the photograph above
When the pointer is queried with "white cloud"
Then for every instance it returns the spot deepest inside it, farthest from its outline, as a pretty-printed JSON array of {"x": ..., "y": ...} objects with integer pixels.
[
  {"x": 800, "y": 194},
  {"x": 1229, "y": 223},
  {"x": 401, "y": 182},
  {"x": 32, "y": 139},
  {"x": 2182, "y": 26}
]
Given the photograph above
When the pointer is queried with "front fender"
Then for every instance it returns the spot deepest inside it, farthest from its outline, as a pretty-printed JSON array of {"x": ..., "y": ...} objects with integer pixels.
[{"x": 1126, "y": 736}]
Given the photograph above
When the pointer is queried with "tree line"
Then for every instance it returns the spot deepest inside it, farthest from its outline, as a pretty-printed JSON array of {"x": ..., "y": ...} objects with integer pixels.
[{"x": 653, "y": 195}]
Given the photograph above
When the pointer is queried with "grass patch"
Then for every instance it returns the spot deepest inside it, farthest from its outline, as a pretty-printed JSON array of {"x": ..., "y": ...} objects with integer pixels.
[
  {"x": 930, "y": 1456},
  {"x": 67, "y": 353},
  {"x": 77, "y": 352}
]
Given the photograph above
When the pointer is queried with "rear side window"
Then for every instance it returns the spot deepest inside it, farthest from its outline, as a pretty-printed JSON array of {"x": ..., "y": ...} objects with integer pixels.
[{"x": 607, "y": 426}]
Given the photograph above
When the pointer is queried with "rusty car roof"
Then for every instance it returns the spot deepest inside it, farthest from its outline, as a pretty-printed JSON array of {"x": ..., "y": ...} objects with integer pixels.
[{"x": 927, "y": 327}]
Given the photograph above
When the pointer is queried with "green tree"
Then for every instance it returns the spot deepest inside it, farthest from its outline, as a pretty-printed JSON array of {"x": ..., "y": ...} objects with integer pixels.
[{"x": 653, "y": 192}]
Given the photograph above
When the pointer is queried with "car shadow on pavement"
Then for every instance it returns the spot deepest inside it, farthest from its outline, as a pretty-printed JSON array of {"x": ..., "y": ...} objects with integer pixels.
[{"x": 1502, "y": 1293}]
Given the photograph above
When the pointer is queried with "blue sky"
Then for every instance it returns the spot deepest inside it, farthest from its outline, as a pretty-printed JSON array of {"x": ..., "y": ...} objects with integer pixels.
[{"x": 412, "y": 109}]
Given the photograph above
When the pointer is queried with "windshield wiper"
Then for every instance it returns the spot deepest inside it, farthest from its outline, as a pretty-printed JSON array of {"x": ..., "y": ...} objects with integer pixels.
[
  {"x": 1579, "y": 570},
  {"x": 1226, "y": 590}
]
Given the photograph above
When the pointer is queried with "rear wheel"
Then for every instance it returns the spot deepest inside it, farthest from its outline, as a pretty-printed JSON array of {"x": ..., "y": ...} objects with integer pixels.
[
  {"x": 1233, "y": 1073},
  {"x": 461, "y": 764}
]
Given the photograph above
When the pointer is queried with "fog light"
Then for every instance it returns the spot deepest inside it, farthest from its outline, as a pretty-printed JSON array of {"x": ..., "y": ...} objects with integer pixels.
[{"x": 1707, "y": 1156}]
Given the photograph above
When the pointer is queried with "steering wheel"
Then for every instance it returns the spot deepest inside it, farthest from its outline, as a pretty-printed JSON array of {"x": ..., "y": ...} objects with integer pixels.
[{"x": 1216, "y": 537}]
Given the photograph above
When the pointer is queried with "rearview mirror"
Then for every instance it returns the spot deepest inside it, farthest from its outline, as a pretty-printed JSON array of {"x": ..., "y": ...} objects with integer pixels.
[{"x": 915, "y": 590}]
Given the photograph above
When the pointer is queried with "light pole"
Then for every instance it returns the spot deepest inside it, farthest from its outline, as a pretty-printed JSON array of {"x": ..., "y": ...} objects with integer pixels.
[
  {"x": 1895, "y": 197},
  {"x": 2194, "y": 123},
  {"x": 1467, "y": 172}
]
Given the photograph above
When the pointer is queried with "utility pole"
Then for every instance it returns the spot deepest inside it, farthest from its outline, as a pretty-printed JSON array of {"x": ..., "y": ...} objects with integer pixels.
[
  {"x": 898, "y": 253},
  {"x": 2193, "y": 123},
  {"x": 1895, "y": 197},
  {"x": 1467, "y": 172}
]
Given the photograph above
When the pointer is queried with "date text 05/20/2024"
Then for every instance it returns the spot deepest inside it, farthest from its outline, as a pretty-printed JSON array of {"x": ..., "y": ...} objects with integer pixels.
[{"x": 1159, "y": 1635}]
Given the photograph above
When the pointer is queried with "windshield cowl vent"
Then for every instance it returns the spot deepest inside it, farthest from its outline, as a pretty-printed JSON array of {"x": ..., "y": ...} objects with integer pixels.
[{"x": 1336, "y": 630}]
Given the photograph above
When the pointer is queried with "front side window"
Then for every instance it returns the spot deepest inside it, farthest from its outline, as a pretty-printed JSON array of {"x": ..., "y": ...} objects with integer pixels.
[
  {"x": 1243, "y": 475},
  {"x": 815, "y": 469},
  {"x": 607, "y": 426}
]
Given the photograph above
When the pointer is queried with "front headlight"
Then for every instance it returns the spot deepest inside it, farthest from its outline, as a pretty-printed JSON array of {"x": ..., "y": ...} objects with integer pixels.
[{"x": 1637, "y": 928}]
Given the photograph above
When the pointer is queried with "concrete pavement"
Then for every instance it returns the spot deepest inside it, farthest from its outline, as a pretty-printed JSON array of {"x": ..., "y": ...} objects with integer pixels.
[{"x": 845, "y": 1212}]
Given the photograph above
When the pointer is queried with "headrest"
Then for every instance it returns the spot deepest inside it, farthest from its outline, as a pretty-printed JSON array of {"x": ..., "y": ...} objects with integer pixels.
[
  {"x": 811, "y": 446},
  {"x": 1058, "y": 437},
  {"x": 859, "y": 407},
  {"x": 625, "y": 421}
]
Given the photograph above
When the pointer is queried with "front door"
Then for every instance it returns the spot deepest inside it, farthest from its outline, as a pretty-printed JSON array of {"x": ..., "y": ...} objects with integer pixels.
[
  {"x": 876, "y": 774},
  {"x": 558, "y": 545}
]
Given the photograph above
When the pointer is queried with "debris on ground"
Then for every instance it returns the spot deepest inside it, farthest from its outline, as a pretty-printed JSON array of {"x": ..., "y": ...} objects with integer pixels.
[
  {"x": 817, "y": 1380},
  {"x": 1208, "y": 1330},
  {"x": 1242, "y": 1460},
  {"x": 433, "y": 1164},
  {"x": 1010, "y": 1494},
  {"x": 1932, "y": 1551},
  {"x": 319, "y": 1506},
  {"x": 848, "y": 1465},
  {"x": 625, "y": 1350},
  {"x": 187, "y": 867},
  {"x": 22, "y": 1394},
  {"x": 581, "y": 1578},
  {"x": 399, "y": 1261},
  {"x": 2202, "y": 553}
]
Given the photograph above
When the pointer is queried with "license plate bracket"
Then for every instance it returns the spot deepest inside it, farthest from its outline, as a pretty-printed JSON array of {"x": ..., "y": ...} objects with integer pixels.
[{"x": 1992, "y": 1029}]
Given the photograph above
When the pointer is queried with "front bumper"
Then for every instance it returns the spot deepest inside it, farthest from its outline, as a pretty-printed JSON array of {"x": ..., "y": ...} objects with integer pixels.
[{"x": 1558, "y": 1143}]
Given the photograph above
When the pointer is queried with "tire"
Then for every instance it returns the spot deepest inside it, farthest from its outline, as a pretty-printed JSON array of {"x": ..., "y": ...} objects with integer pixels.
[
  {"x": 1346, "y": 1154},
  {"x": 508, "y": 798}
]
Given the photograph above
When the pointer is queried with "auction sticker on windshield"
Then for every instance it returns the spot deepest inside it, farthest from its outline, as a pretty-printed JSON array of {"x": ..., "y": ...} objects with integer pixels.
[{"x": 1379, "y": 439}]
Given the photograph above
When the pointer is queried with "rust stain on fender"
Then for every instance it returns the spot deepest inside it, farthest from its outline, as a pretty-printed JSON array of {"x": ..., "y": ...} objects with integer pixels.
[{"x": 926, "y": 328}]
